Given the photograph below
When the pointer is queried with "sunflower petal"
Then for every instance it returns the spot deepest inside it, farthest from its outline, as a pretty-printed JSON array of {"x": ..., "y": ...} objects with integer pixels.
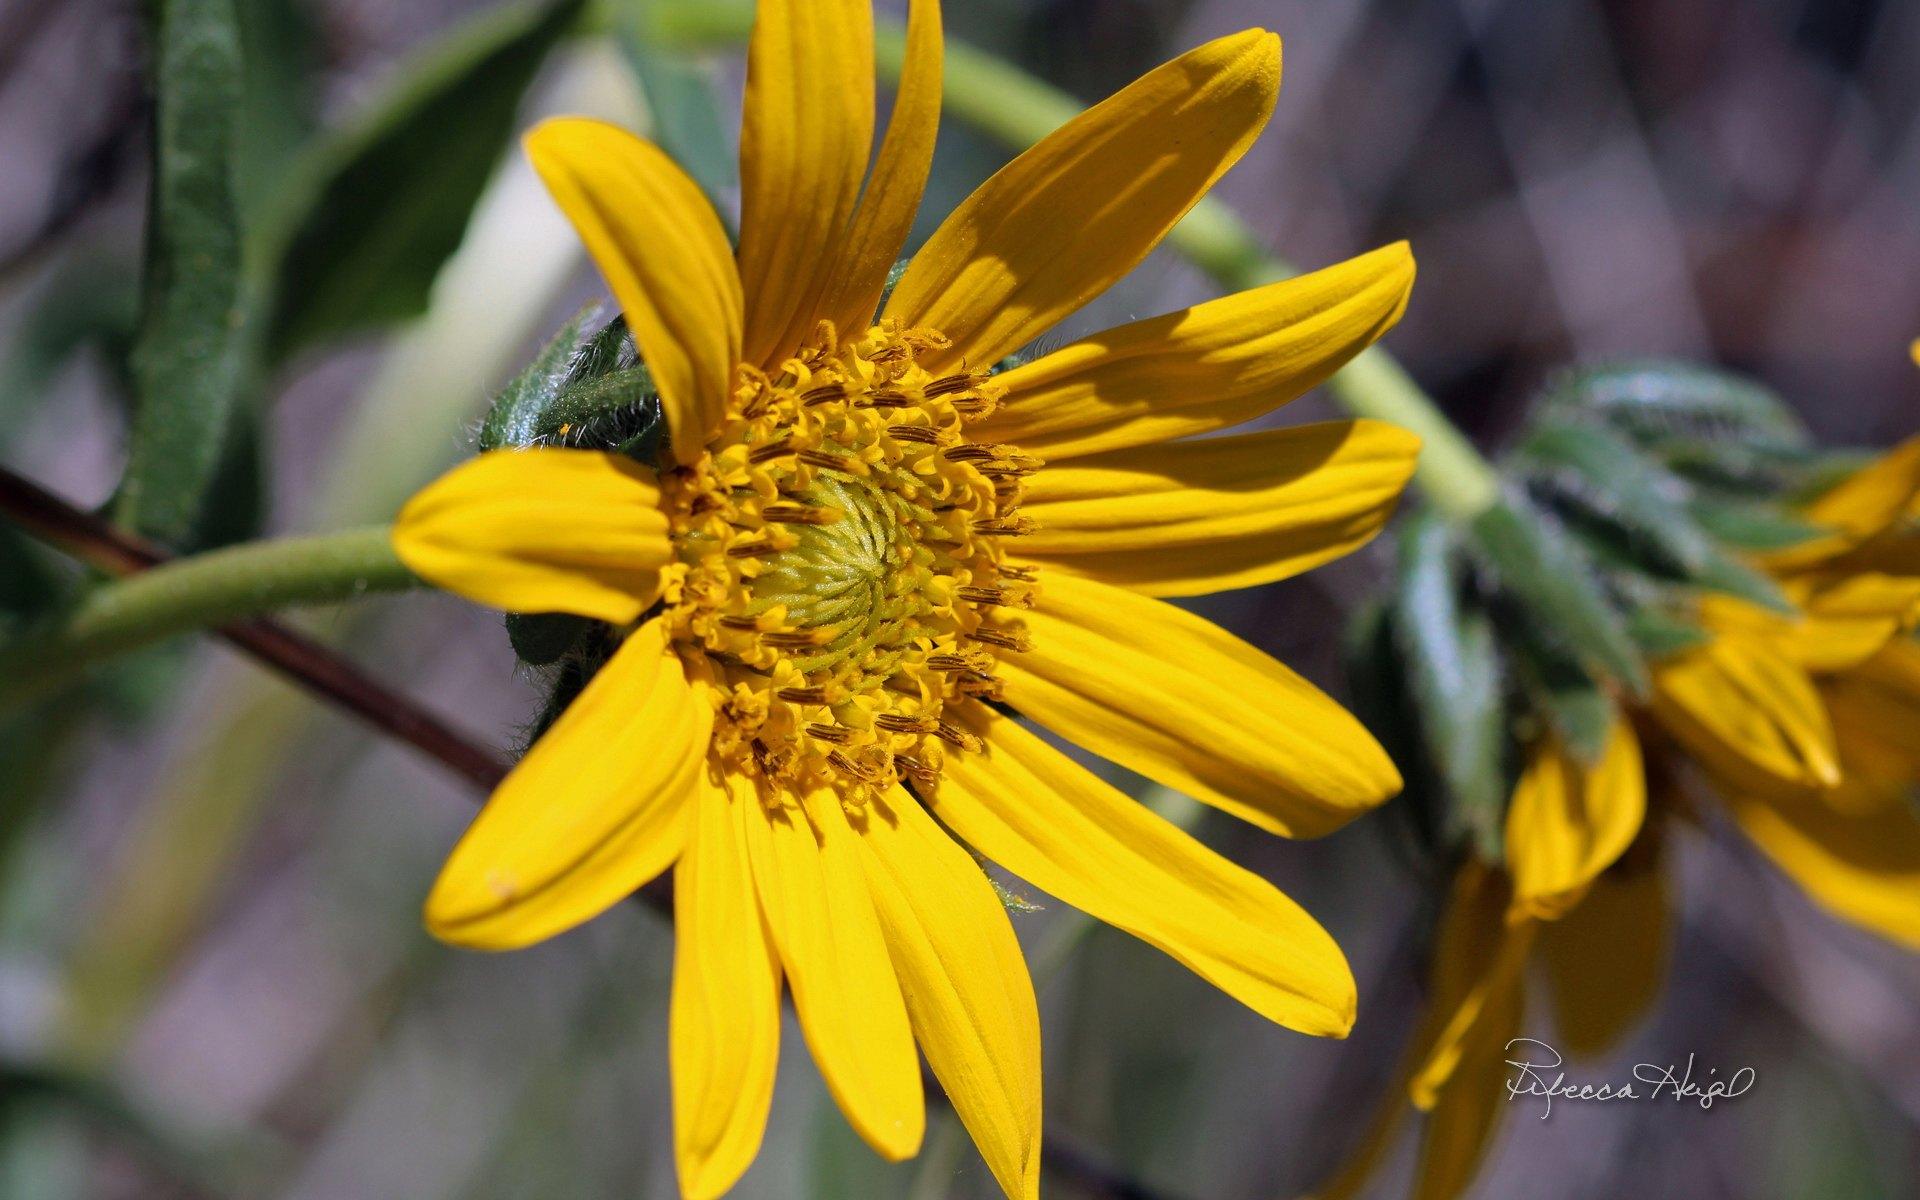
[
  {"x": 1207, "y": 367},
  {"x": 1034, "y": 811},
  {"x": 1748, "y": 713},
  {"x": 1058, "y": 225},
  {"x": 725, "y": 1018},
  {"x": 1862, "y": 506},
  {"x": 541, "y": 531},
  {"x": 1567, "y": 822},
  {"x": 814, "y": 894},
  {"x": 1218, "y": 513},
  {"x": 1178, "y": 699},
  {"x": 887, "y": 207},
  {"x": 1862, "y": 867},
  {"x": 596, "y": 809},
  {"x": 665, "y": 256},
  {"x": 1607, "y": 958},
  {"x": 966, "y": 984},
  {"x": 805, "y": 131}
]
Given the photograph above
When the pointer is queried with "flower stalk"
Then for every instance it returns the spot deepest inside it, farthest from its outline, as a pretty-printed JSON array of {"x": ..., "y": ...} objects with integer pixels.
[{"x": 206, "y": 590}]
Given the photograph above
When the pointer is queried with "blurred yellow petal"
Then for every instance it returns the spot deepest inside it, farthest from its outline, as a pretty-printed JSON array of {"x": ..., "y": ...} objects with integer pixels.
[
  {"x": 892, "y": 196},
  {"x": 1843, "y": 619},
  {"x": 541, "y": 531},
  {"x": 1864, "y": 504},
  {"x": 1861, "y": 867},
  {"x": 1059, "y": 224},
  {"x": 1568, "y": 822},
  {"x": 814, "y": 894},
  {"x": 1748, "y": 713},
  {"x": 1218, "y": 513},
  {"x": 597, "y": 808},
  {"x": 966, "y": 984},
  {"x": 1607, "y": 958},
  {"x": 1207, "y": 367},
  {"x": 1179, "y": 700},
  {"x": 725, "y": 1017},
  {"x": 665, "y": 256},
  {"x": 1478, "y": 960},
  {"x": 806, "y": 127},
  {"x": 1034, "y": 811},
  {"x": 1461, "y": 1127}
]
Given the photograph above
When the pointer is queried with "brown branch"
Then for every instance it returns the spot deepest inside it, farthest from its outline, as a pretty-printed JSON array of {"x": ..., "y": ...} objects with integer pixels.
[{"x": 294, "y": 655}]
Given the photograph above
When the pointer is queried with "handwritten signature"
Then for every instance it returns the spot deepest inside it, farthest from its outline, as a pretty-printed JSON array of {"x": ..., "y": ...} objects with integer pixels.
[{"x": 1537, "y": 1072}]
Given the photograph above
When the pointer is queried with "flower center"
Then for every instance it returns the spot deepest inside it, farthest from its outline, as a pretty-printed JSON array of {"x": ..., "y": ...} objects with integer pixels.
[{"x": 840, "y": 567}]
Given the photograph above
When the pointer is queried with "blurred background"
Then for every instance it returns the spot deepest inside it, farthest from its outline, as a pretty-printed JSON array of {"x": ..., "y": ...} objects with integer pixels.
[{"x": 213, "y": 980}]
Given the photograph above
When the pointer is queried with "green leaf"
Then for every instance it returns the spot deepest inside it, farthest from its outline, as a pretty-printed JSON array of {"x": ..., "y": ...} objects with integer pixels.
[
  {"x": 386, "y": 202},
  {"x": 1554, "y": 588},
  {"x": 1452, "y": 664},
  {"x": 189, "y": 356},
  {"x": 686, "y": 120}
]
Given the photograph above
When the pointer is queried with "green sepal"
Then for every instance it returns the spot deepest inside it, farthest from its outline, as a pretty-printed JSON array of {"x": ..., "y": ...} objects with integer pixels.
[
  {"x": 1660, "y": 400},
  {"x": 1567, "y": 695},
  {"x": 1454, "y": 679},
  {"x": 1754, "y": 527},
  {"x": 1661, "y": 634},
  {"x": 1611, "y": 481},
  {"x": 542, "y": 639},
  {"x": 1371, "y": 659},
  {"x": 1555, "y": 590},
  {"x": 585, "y": 391}
]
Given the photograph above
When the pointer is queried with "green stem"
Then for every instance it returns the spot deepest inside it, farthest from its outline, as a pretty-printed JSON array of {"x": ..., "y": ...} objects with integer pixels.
[
  {"x": 1010, "y": 105},
  {"x": 209, "y": 589}
]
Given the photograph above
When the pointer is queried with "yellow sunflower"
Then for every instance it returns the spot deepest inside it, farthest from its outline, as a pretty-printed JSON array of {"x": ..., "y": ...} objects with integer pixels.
[
  {"x": 1804, "y": 726},
  {"x": 867, "y": 547}
]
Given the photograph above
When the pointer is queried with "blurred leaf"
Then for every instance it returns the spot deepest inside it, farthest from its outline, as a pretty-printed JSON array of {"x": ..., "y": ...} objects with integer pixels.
[
  {"x": 1453, "y": 671},
  {"x": 385, "y": 203},
  {"x": 679, "y": 96},
  {"x": 91, "y": 301},
  {"x": 281, "y": 96},
  {"x": 1657, "y": 400},
  {"x": 1554, "y": 588},
  {"x": 189, "y": 354}
]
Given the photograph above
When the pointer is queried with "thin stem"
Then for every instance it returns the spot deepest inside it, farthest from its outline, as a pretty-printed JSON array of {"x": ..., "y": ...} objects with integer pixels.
[
  {"x": 298, "y": 657},
  {"x": 215, "y": 588},
  {"x": 1010, "y": 105}
]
